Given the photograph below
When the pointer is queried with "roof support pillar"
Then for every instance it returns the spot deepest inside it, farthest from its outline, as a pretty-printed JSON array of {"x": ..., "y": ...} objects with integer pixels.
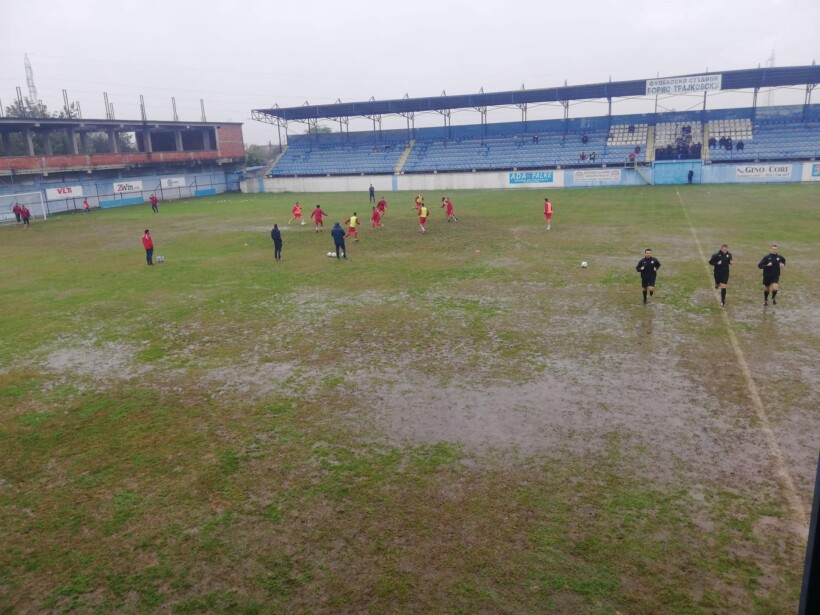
[
  {"x": 47, "y": 150},
  {"x": 28, "y": 141},
  {"x": 71, "y": 134}
]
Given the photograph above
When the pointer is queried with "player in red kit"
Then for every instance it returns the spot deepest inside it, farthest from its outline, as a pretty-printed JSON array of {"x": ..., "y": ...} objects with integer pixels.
[
  {"x": 297, "y": 213},
  {"x": 148, "y": 244},
  {"x": 449, "y": 212},
  {"x": 548, "y": 213},
  {"x": 317, "y": 215},
  {"x": 376, "y": 219},
  {"x": 353, "y": 227},
  {"x": 382, "y": 207}
]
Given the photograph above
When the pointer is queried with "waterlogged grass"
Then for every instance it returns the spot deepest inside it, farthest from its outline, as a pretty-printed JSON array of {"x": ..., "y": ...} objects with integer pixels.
[{"x": 203, "y": 436}]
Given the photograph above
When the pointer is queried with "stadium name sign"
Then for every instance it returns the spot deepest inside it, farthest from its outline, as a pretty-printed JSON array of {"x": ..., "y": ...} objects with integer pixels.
[
  {"x": 135, "y": 186},
  {"x": 684, "y": 85},
  {"x": 763, "y": 171},
  {"x": 532, "y": 177},
  {"x": 66, "y": 192}
]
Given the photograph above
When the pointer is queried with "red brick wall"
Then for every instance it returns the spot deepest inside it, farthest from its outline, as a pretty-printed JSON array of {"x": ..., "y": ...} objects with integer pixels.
[
  {"x": 231, "y": 144},
  {"x": 54, "y": 163}
]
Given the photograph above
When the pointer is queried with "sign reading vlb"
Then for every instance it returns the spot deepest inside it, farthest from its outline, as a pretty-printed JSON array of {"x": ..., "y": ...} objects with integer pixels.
[
  {"x": 64, "y": 192},
  {"x": 532, "y": 177}
]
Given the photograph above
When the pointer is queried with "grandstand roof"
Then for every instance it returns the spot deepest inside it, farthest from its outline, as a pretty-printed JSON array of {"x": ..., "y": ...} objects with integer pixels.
[
  {"x": 731, "y": 80},
  {"x": 18, "y": 123}
]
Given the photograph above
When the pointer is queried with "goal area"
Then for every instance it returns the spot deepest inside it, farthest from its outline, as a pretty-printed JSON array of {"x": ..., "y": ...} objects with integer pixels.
[{"x": 33, "y": 200}]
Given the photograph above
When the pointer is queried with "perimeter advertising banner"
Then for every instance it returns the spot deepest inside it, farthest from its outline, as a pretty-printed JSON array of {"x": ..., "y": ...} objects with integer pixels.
[
  {"x": 598, "y": 176},
  {"x": 173, "y": 182},
  {"x": 66, "y": 192},
  {"x": 133, "y": 186},
  {"x": 684, "y": 85},
  {"x": 532, "y": 177},
  {"x": 763, "y": 171}
]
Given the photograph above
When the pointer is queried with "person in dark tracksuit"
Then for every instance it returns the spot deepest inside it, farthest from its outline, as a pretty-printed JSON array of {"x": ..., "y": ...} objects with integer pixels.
[
  {"x": 338, "y": 234},
  {"x": 648, "y": 268},
  {"x": 771, "y": 264},
  {"x": 721, "y": 261},
  {"x": 276, "y": 235}
]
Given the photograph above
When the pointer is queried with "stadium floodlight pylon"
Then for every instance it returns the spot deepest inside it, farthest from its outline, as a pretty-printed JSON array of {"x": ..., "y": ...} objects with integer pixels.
[{"x": 33, "y": 200}]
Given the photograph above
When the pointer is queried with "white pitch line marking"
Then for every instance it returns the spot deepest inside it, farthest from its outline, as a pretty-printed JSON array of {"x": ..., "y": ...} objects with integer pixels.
[{"x": 781, "y": 469}]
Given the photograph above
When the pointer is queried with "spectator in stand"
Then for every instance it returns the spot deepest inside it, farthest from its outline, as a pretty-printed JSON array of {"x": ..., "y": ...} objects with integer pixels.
[
  {"x": 722, "y": 142},
  {"x": 535, "y": 139},
  {"x": 740, "y": 145},
  {"x": 729, "y": 143},
  {"x": 583, "y": 156},
  {"x": 592, "y": 156},
  {"x": 631, "y": 128},
  {"x": 631, "y": 157},
  {"x": 712, "y": 142},
  {"x": 585, "y": 139},
  {"x": 17, "y": 211},
  {"x": 637, "y": 149}
]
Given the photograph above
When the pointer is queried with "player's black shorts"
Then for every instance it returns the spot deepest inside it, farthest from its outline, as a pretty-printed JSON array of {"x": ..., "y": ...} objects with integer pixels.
[
  {"x": 721, "y": 277},
  {"x": 647, "y": 281},
  {"x": 770, "y": 281}
]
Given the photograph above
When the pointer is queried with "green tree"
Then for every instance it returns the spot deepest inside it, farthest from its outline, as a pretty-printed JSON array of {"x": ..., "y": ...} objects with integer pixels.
[
  {"x": 27, "y": 108},
  {"x": 317, "y": 129},
  {"x": 256, "y": 155}
]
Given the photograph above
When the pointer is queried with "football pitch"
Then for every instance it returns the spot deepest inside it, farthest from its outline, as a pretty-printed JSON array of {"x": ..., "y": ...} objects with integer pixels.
[{"x": 464, "y": 421}]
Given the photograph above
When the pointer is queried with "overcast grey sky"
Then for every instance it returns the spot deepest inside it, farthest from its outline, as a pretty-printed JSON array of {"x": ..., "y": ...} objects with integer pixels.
[{"x": 250, "y": 54}]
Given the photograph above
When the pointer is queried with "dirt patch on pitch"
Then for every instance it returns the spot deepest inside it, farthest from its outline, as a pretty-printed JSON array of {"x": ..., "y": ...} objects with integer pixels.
[
  {"x": 664, "y": 423},
  {"x": 92, "y": 358},
  {"x": 252, "y": 379}
]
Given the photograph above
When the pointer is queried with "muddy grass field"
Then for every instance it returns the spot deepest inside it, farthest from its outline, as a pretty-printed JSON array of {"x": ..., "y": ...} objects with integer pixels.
[{"x": 460, "y": 422}]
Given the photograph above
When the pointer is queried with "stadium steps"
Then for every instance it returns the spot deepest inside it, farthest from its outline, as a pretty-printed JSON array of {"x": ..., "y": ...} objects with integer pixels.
[
  {"x": 650, "y": 144},
  {"x": 704, "y": 151},
  {"x": 276, "y": 160},
  {"x": 405, "y": 155},
  {"x": 643, "y": 174}
]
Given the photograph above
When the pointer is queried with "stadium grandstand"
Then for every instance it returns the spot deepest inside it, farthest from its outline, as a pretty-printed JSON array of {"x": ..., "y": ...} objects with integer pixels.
[
  {"x": 55, "y": 164},
  {"x": 636, "y": 144}
]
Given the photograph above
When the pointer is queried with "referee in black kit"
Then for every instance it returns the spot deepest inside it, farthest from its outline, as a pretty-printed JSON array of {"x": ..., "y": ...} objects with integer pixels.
[
  {"x": 771, "y": 264},
  {"x": 721, "y": 261},
  {"x": 648, "y": 268}
]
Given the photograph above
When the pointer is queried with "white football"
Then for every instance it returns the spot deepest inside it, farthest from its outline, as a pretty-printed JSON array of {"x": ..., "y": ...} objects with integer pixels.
[
  {"x": 584, "y": 264},
  {"x": 330, "y": 254}
]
